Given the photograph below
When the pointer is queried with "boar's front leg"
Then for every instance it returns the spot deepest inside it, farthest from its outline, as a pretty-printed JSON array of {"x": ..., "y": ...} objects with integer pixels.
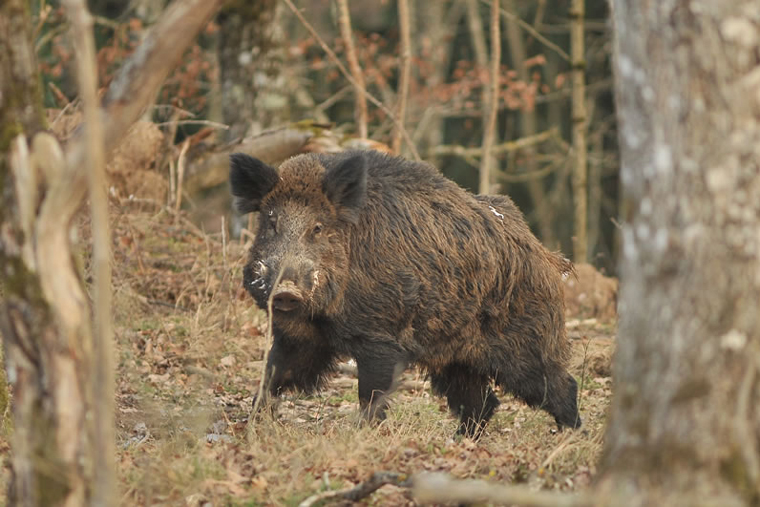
[
  {"x": 297, "y": 364},
  {"x": 379, "y": 364}
]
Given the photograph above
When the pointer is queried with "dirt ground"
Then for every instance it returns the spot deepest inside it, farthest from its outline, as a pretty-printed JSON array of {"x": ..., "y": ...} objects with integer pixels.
[{"x": 191, "y": 346}]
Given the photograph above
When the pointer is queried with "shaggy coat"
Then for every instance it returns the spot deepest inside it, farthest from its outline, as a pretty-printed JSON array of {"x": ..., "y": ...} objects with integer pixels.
[{"x": 386, "y": 261}]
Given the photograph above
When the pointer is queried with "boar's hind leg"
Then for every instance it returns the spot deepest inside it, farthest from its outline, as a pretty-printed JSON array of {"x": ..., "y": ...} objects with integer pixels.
[
  {"x": 469, "y": 396},
  {"x": 378, "y": 369},
  {"x": 552, "y": 389}
]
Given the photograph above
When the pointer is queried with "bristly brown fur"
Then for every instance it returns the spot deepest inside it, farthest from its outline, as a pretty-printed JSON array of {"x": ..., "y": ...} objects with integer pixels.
[{"x": 402, "y": 266}]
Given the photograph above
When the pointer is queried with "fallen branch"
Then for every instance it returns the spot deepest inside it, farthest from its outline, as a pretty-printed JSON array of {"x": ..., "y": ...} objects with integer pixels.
[
  {"x": 361, "y": 490},
  {"x": 440, "y": 488}
]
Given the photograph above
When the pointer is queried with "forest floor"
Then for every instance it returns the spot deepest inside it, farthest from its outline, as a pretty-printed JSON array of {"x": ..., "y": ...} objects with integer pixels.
[{"x": 191, "y": 346}]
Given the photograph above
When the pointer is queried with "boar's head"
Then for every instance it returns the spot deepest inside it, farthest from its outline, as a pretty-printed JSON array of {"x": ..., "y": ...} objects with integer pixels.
[{"x": 307, "y": 209}]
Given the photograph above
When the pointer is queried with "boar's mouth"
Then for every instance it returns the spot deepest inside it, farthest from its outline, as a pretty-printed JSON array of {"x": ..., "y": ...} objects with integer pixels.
[{"x": 287, "y": 297}]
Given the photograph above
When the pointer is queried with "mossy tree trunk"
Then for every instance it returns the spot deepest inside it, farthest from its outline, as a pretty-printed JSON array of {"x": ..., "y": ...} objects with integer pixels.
[
  {"x": 45, "y": 365},
  {"x": 685, "y": 419},
  {"x": 44, "y": 312}
]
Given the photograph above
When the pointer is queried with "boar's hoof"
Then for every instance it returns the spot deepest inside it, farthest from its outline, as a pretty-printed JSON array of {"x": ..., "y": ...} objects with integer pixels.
[{"x": 286, "y": 298}]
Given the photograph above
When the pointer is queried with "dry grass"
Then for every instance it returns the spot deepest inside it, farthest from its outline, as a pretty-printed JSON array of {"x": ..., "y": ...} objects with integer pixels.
[{"x": 191, "y": 345}]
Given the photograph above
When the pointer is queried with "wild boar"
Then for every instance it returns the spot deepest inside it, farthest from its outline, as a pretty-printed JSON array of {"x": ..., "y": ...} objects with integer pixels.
[{"x": 385, "y": 261}]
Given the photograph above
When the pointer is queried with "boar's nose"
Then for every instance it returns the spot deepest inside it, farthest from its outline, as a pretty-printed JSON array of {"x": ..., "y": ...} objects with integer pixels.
[{"x": 286, "y": 297}]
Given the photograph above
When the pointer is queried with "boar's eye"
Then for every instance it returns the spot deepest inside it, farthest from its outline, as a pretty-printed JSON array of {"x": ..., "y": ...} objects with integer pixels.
[
  {"x": 317, "y": 229},
  {"x": 272, "y": 220}
]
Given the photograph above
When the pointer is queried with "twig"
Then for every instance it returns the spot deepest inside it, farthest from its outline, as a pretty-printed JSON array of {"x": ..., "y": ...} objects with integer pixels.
[
  {"x": 264, "y": 380},
  {"x": 344, "y": 20},
  {"x": 337, "y": 96},
  {"x": 102, "y": 363},
  {"x": 330, "y": 54},
  {"x": 493, "y": 101},
  {"x": 525, "y": 26},
  {"x": 440, "y": 488},
  {"x": 406, "y": 71},
  {"x": 361, "y": 490},
  {"x": 180, "y": 174}
]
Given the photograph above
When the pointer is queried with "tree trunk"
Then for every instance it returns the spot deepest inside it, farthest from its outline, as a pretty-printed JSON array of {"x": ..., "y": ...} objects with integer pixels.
[
  {"x": 249, "y": 63},
  {"x": 45, "y": 359},
  {"x": 577, "y": 15},
  {"x": 685, "y": 417},
  {"x": 528, "y": 122}
]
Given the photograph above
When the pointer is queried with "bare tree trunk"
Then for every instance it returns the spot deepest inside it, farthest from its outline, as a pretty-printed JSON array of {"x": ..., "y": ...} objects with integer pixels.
[
  {"x": 405, "y": 72},
  {"x": 543, "y": 212},
  {"x": 577, "y": 15},
  {"x": 685, "y": 419},
  {"x": 489, "y": 135},
  {"x": 478, "y": 38}
]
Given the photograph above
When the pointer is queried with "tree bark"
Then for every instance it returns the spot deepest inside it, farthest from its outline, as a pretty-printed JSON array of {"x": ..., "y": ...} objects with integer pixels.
[
  {"x": 685, "y": 418},
  {"x": 48, "y": 415}
]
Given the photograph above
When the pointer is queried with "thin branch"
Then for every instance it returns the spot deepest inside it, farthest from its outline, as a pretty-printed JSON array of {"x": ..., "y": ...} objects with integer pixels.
[
  {"x": 263, "y": 395},
  {"x": 344, "y": 20},
  {"x": 525, "y": 26},
  {"x": 406, "y": 71},
  {"x": 333, "y": 57},
  {"x": 531, "y": 175},
  {"x": 506, "y": 147},
  {"x": 361, "y": 490},
  {"x": 102, "y": 362}
]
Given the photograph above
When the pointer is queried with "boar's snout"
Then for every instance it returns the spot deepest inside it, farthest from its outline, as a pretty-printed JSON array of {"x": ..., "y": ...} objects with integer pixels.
[{"x": 286, "y": 297}]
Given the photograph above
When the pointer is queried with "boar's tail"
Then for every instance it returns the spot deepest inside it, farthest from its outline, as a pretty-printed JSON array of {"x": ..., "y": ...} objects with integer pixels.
[{"x": 563, "y": 265}]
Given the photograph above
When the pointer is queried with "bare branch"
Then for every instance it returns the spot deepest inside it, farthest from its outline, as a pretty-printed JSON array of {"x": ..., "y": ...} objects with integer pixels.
[
  {"x": 406, "y": 71},
  {"x": 505, "y": 147},
  {"x": 333, "y": 57},
  {"x": 344, "y": 21},
  {"x": 101, "y": 362}
]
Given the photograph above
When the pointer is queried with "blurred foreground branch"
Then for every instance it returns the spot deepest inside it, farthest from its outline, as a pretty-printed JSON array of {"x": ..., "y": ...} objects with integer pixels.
[{"x": 101, "y": 363}]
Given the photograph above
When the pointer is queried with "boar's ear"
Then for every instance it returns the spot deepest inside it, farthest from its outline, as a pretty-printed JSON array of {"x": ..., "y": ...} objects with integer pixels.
[
  {"x": 250, "y": 180},
  {"x": 345, "y": 184}
]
